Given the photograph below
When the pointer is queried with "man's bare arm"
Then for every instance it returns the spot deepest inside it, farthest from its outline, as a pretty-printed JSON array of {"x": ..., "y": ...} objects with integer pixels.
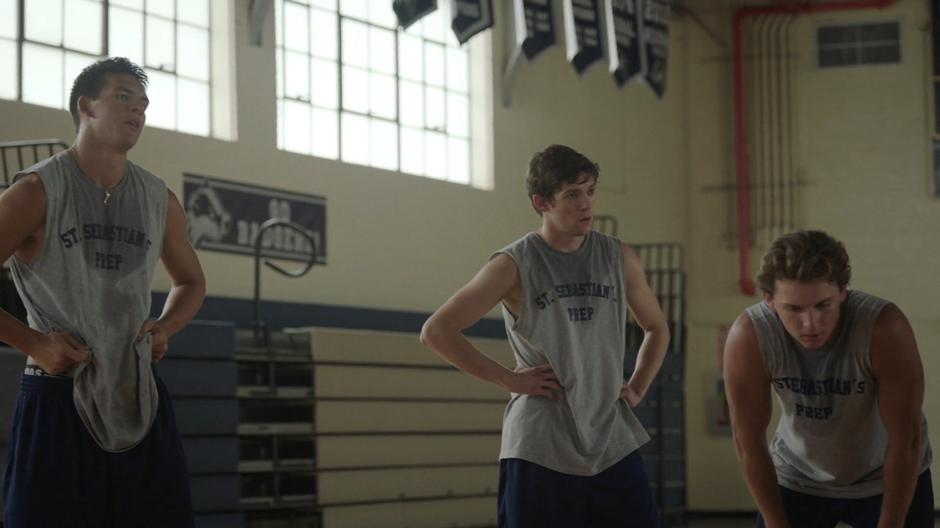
[
  {"x": 442, "y": 332},
  {"x": 897, "y": 368},
  {"x": 748, "y": 388},
  {"x": 189, "y": 283},
  {"x": 649, "y": 316},
  {"x": 22, "y": 218}
]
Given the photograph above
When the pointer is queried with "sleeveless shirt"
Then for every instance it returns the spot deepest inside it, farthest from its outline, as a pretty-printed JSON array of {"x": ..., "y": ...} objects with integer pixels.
[
  {"x": 573, "y": 316},
  {"x": 92, "y": 279},
  {"x": 830, "y": 441}
]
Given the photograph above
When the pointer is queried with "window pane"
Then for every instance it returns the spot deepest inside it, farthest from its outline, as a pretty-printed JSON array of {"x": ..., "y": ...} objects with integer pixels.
[
  {"x": 457, "y": 70},
  {"x": 193, "y": 12},
  {"x": 879, "y": 54},
  {"x": 381, "y": 13},
  {"x": 161, "y": 52},
  {"x": 42, "y": 76},
  {"x": 434, "y": 64},
  {"x": 8, "y": 69},
  {"x": 382, "y": 96},
  {"x": 355, "y": 39},
  {"x": 458, "y": 160},
  {"x": 193, "y": 109},
  {"x": 280, "y": 124},
  {"x": 355, "y": 90},
  {"x": 278, "y": 25},
  {"x": 432, "y": 25},
  {"x": 74, "y": 64},
  {"x": 412, "y": 150},
  {"x": 384, "y": 141},
  {"x": 382, "y": 54},
  {"x": 325, "y": 84},
  {"x": 124, "y": 30},
  {"x": 324, "y": 4},
  {"x": 296, "y": 28},
  {"x": 279, "y": 73},
  {"x": 411, "y": 104},
  {"x": 410, "y": 58},
  {"x": 323, "y": 34},
  {"x": 435, "y": 155},
  {"x": 355, "y": 138},
  {"x": 297, "y": 77},
  {"x": 297, "y": 127},
  {"x": 325, "y": 133},
  {"x": 44, "y": 22},
  {"x": 83, "y": 32},
  {"x": 134, "y": 4},
  {"x": 193, "y": 52},
  {"x": 162, "y": 95},
  {"x": 9, "y": 24},
  {"x": 458, "y": 115},
  {"x": 434, "y": 111},
  {"x": 164, "y": 8},
  {"x": 355, "y": 8}
]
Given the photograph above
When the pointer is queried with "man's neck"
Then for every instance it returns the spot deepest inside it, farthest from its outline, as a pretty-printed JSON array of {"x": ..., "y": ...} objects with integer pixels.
[
  {"x": 561, "y": 241},
  {"x": 102, "y": 164}
]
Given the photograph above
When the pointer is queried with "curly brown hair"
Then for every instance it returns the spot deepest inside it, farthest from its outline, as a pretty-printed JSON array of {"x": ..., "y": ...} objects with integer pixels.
[
  {"x": 554, "y": 167},
  {"x": 805, "y": 256}
]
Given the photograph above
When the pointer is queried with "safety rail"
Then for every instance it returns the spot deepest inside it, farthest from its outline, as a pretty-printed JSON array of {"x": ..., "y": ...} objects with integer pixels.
[{"x": 18, "y": 155}]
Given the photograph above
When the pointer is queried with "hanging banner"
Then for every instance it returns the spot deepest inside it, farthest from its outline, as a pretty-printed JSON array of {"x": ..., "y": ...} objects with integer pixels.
[
  {"x": 469, "y": 17},
  {"x": 226, "y": 216},
  {"x": 411, "y": 11},
  {"x": 582, "y": 33},
  {"x": 623, "y": 39},
  {"x": 655, "y": 43},
  {"x": 534, "y": 26}
]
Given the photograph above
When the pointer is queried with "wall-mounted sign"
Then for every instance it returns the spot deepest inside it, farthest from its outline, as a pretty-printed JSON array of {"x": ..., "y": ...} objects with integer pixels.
[
  {"x": 226, "y": 216},
  {"x": 469, "y": 17},
  {"x": 582, "y": 33}
]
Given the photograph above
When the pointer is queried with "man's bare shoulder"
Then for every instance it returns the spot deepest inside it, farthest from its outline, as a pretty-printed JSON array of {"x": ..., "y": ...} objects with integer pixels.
[{"x": 25, "y": 194}]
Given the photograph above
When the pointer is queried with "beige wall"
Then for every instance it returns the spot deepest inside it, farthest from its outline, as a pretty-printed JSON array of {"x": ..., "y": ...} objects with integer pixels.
[{"x": 402, "y": 242}]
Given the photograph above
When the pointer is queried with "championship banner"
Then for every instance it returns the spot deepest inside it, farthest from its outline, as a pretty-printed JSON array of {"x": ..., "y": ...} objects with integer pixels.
[
  {"x": 226, "y": 216},
  {"x": 582, "y": 33},
  {"x": 655, "y": 43},
  {"x": 411, "y": 11},
  {"x": 535, "y": 26},
  {"x": 623, "y": 39},
  {"x": 470, "y": 17}
]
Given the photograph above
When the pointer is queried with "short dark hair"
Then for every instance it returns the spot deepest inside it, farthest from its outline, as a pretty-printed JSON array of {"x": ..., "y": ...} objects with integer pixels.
[
  {"x": 554, "y": 167},
  {"x": 805, "y": 256},
  {"x": 94, "y": 77}
]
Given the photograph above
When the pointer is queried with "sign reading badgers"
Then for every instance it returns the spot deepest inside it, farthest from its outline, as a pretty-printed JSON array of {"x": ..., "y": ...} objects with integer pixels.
[{"x": 226, "y": 216}]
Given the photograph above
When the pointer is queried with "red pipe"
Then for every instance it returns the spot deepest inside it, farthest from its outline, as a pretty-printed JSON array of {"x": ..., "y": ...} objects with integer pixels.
[{"x": 789, "y": 8}]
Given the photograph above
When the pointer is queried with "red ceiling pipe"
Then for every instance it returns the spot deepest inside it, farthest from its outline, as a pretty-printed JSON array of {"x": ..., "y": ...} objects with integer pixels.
[{"x": 787, "y": 7}]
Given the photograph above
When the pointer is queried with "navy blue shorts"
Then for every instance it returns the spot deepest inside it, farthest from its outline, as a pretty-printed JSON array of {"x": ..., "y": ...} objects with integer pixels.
[
  {"x": 57, "y": 476},
  {"x": 533, "y": 496},
  {"x": 809, "y": 511}
]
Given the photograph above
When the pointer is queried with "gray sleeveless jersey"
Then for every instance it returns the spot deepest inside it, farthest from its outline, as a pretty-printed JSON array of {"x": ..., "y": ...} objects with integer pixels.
[
  {"x": 573, "y": 317},
  {"x": 830, "y": 441},
  {"x": 92, "y": 279}
]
